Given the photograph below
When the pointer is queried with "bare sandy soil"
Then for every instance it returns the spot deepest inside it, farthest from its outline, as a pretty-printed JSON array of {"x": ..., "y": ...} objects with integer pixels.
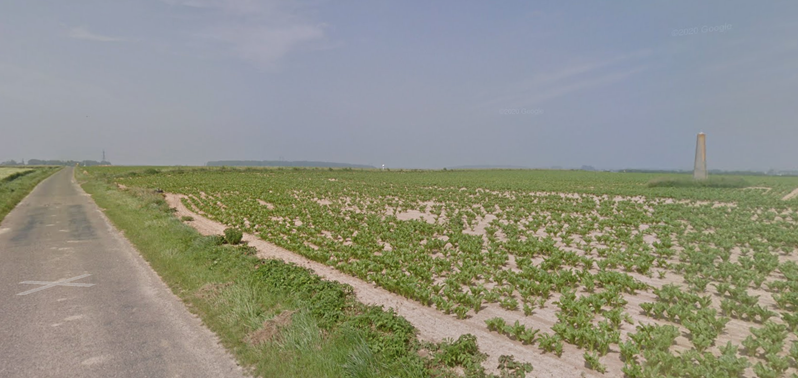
[{"x": 792, "y": 195}]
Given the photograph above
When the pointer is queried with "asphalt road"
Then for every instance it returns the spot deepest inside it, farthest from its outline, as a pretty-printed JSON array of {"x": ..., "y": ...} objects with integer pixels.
[{"x": 77, "y": 300}]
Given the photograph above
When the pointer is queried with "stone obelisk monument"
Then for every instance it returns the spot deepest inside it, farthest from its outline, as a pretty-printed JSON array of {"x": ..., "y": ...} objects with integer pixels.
[{"x": 700, "y": 171}]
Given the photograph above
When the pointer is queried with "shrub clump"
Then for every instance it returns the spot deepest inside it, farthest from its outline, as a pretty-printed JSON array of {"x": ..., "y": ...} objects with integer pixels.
[
  {"x": 233, "y": 236},
  {"x": 685, "y": 182}
]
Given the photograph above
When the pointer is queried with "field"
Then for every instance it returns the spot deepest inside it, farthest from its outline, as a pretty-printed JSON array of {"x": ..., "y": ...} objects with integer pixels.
[
  {"x": 5, "y": 172},
  {"x": 574, "y": 271}
]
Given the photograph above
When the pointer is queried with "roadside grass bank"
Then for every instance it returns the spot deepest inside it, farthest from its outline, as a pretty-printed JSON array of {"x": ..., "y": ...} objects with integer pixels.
[
  {"x": 278, "y": 319},
  {"x": 15, "y": 186}
]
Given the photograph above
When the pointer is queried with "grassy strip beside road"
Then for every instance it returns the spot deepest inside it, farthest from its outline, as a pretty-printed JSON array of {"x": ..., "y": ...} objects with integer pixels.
[
  {"x": 16, "y": 185},
  {"x": 278, "y": 319}
]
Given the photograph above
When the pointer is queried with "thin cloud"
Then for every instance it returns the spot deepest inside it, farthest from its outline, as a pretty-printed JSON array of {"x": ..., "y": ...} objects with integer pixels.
[
  {"x": 782, "y": 50},
  {"x": 572, "y": 78},
  {"x": 82, "y": 32},
  {"x": 578, "y": 86},
  {"x": 589, "y": 67},
  {"x": 265, "y": 45},
  {"x": 26, "y": 85},
  {"x": 263, "y": 32},
  {"x": 239, "y": 7}
]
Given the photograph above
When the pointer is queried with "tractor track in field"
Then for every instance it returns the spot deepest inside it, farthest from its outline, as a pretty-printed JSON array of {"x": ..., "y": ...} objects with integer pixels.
[{"x": 791, "y": 195}]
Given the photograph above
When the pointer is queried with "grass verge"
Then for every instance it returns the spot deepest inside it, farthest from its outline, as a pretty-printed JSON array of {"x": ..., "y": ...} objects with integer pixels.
[
  {"x": 15, "y": 187},
  {"x": 278, "y": 319}
]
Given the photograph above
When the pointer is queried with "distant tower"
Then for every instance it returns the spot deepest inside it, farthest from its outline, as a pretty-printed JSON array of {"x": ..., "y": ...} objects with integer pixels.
[
  {"x": 700, "y": 171},
  {"x": 103, "y": 155}
]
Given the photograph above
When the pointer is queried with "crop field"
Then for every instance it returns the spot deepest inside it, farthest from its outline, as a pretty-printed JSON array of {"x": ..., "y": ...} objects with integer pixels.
[
  {"x": 5, "y": 172},
  {"x": 593, "y": 271}
]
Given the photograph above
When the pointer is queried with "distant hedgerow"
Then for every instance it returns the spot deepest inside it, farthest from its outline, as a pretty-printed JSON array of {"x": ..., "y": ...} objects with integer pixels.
[{"x": 684, "y": 182}]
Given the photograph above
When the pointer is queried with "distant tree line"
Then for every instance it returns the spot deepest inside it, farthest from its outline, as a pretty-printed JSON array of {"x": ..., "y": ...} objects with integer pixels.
[
  {"x": 688, "y": 182},
  {"x": 771, "y": 172},
  {"x": 653, "y": 171},
  {"x": 85, "y": 163},
  {"x": 280, "y": 163}
]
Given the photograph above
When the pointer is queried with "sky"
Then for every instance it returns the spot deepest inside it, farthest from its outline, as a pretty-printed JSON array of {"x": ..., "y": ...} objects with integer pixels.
[{"x": 414, "y": 84}]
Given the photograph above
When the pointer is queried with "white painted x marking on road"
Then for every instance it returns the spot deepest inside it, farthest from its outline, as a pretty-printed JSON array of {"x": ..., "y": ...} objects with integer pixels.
[{"x": 47, "y": 285}]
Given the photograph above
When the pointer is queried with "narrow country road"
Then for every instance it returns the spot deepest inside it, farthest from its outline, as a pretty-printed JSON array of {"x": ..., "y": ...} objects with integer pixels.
[{"x": 77, "y": 300}]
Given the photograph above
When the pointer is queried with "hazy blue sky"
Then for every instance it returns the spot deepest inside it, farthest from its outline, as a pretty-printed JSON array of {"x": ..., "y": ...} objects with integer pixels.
[{"x": 426, "y": 84}]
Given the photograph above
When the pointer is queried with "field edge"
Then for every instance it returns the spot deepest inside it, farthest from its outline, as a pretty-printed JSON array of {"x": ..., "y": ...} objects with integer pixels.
[
  {"x": 220, "y": 284},
  {"x": 14, "y": 190}
]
